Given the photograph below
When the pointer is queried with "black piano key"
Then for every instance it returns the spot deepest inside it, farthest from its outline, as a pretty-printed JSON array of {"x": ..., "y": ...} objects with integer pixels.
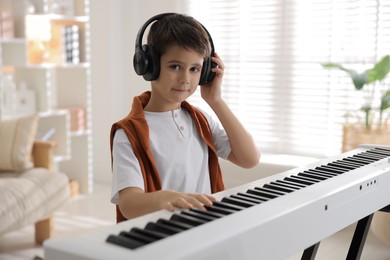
[
  {"x": 300, "y": 181},
  {"x": 330, "y": 169},
  {"x": 292, "y": 183},
  {"x": 219, "y": 210},
  {"x": 137, "y": 236},
  {"x": 367, "y": 161},
  {"x": 163, "y": 228},
  {"x": 352, "y": 164},
  {"x": 227, "y": 205},
  {"x": 321, "y": 173},
  {"x": 251, "y": 196},
  {"x": 124, "y": 241},
  {"x": 174, "y": 224},
  {"x": 198, "y": 215},
  {"x": 371, "y": 155},
  {"x": 383, "y": 150},
  {"x": 279, "y": 188},
  {"x": 246, "y": 198},
  {"x": 356, "y": 160},
  {"x": 188, "y": 219},
  {"x": 305, "y": 178},
  {"x": 342, "y": 165},
  {"x": 261, "y": 194},
  {"x": 152, "y": 233},
  {"x": 379, "y": 152},
  {"x": 285, "y": 185},
  {"x": 327, "y": 170},
  {"x": 238, "y": 202},
  {"x": 375, "y": 155},
  {"x": 208, "y": 213},
  {"x": 272, "y": 191},
  {"x": 337, "y": 167},
  {"x": 313, "y": 175}
]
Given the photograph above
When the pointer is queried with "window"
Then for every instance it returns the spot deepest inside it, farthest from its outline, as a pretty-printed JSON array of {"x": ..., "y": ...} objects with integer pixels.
[{"x": 273, "y": 52}]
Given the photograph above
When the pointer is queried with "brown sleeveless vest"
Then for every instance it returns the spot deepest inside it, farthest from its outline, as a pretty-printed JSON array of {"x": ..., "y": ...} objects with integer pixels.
[{"x": 137, "y": 130}]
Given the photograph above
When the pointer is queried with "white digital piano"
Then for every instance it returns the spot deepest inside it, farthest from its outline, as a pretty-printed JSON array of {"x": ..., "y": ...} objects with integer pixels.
[{"x": 271, "y": 218}]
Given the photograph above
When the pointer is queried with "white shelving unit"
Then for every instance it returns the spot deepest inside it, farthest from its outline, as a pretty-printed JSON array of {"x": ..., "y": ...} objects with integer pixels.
[{"x": 37, "y": 57}]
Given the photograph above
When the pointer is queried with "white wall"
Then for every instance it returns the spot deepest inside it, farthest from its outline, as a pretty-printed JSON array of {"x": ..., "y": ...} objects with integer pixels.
[{"x": 114, "y": 26}]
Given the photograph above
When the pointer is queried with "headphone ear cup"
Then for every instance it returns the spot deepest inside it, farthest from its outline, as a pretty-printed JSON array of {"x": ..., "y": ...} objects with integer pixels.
[
  {"x": 207, "y": 75},
  {"x": 205, "y": 72},
  {"x": 153, "y": 68},
  {"x": 140, "y": 62}
]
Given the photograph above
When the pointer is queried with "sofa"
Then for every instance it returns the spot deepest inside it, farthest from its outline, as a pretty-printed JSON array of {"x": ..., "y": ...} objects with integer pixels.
[{"x": 30, "y": 189}]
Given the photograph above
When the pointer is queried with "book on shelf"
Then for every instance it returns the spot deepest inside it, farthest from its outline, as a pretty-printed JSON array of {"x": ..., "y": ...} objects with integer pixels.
[{"x": 71, "y": 44}]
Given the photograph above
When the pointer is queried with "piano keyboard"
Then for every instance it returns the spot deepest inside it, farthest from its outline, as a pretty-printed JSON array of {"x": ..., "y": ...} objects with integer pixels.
[
  {"x": 271, "y": 218},
  {"x": 185, "y": 220}
]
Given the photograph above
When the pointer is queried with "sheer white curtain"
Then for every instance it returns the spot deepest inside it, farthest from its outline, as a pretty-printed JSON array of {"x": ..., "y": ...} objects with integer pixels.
[{"x": 273, "y": 50}]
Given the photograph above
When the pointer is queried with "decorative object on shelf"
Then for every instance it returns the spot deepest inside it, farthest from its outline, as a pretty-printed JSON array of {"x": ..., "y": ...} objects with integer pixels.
[
  {"x": 63, "y": 7},
  {"x": 7, "y": 29},
  {"x": 9, "y": 92},
  {"x": 38, "y": 33},
  {"x": 16, "y": 101},
  {"x": 21, "y": 9},
  {"x": 24, "y": 100},
  {"x": 71, "y": 44},
  {"x": 77, "y": 118},
  {"x": 47, "y": 135},
  {"x": 375, "y": 127}
]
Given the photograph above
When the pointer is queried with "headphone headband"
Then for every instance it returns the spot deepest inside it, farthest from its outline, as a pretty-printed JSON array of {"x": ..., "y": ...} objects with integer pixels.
[{"x": 140, "y": 34}]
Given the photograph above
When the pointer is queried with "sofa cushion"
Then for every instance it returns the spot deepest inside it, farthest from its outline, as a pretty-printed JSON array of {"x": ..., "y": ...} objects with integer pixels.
[
  {"x": 16, "y": 139},
  {"x": 30, "y": 196}
]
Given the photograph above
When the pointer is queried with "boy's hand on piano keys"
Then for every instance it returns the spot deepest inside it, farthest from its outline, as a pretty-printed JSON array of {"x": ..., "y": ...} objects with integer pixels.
[{"x": 170, "y": 200}]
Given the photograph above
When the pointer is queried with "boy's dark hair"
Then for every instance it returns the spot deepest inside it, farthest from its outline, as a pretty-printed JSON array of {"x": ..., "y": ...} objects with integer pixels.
[{"x": 179, "y": 29}]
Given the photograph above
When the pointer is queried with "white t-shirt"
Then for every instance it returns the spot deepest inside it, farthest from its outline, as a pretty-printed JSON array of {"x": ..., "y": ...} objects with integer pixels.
[{"x": 180, "y": 154}]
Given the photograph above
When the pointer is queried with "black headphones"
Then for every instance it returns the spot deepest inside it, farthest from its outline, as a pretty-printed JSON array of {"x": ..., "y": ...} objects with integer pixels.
[{"x": 146, "y": 61}]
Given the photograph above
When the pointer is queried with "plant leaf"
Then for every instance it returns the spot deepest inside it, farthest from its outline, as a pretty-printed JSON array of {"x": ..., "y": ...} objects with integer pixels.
[
  {"x": 385, "y": 101},
  {"x": 358, "y": 79},
  {"x": 333, "y": 66},
  {"x": 380, "y": 70}
]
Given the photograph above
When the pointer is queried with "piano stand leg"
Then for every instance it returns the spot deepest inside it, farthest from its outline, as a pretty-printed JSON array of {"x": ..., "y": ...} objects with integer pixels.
[
  {"x": 385, "y": 209},
  {"x": 359, "y": 238},
  {"x": 310, "y": 252}
]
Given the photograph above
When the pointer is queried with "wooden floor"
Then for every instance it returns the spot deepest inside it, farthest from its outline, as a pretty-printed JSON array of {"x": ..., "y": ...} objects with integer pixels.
[{"x": 94, "y": 211}]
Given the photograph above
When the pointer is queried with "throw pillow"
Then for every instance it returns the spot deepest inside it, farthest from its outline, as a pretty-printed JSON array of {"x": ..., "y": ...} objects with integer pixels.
[{"x": 16, "y": 142}]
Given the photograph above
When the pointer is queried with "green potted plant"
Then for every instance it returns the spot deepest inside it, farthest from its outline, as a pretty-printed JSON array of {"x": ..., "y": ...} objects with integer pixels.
[
  {"x": 372, "y": 81},
  {"x": 374, "y": 77}
]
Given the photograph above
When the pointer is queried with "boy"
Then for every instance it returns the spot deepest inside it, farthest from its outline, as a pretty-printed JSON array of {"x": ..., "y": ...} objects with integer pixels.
[{"x": 165, "y": 152}]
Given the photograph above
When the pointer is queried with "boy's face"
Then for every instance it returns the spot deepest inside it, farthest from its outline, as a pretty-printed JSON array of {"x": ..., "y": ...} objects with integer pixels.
[{"x": 179, "y": 77}]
